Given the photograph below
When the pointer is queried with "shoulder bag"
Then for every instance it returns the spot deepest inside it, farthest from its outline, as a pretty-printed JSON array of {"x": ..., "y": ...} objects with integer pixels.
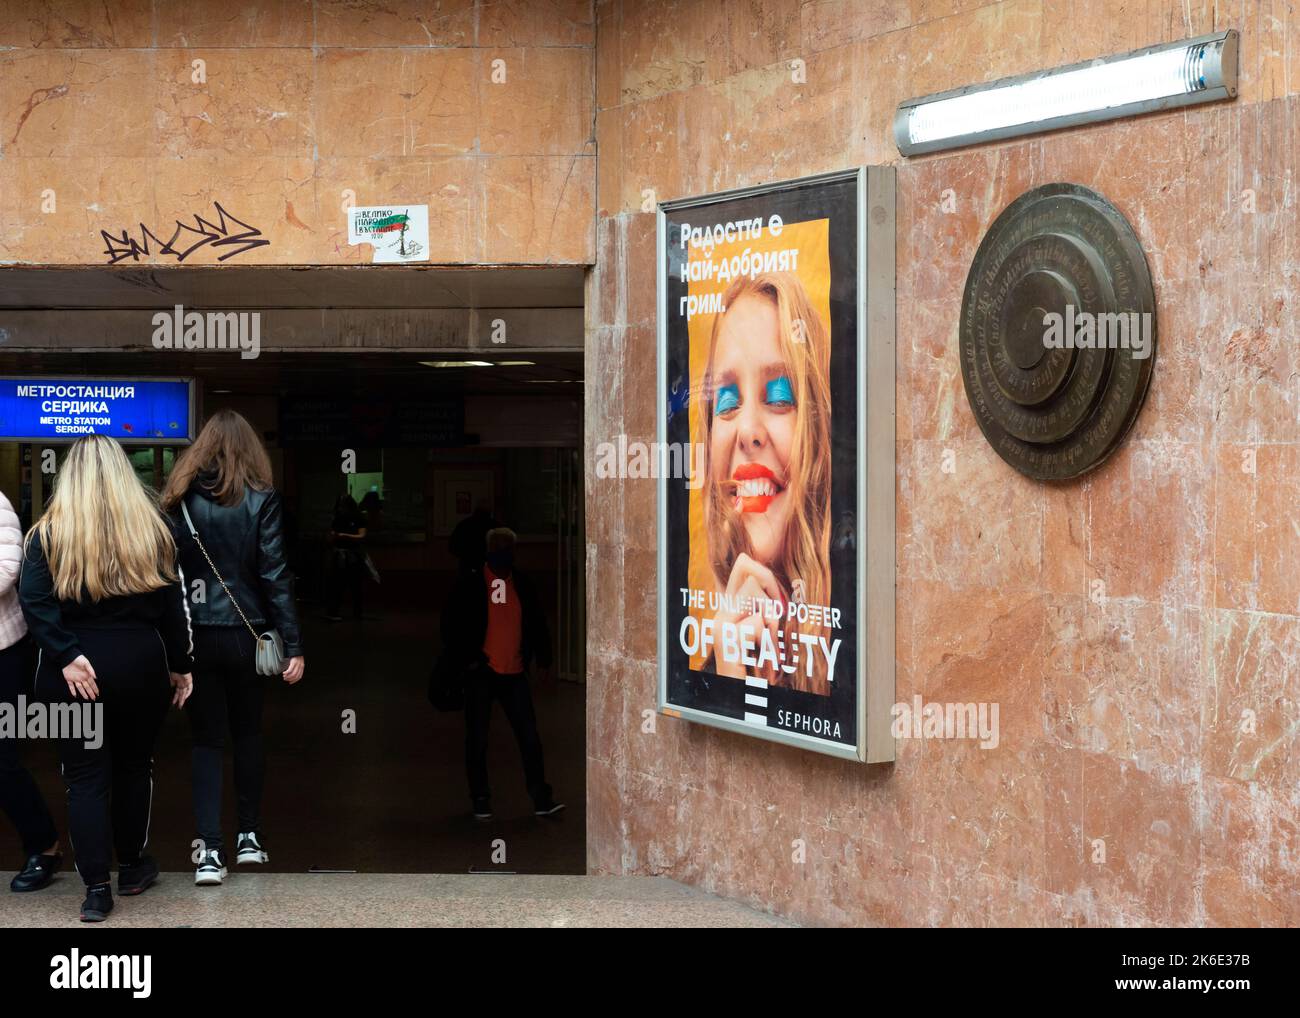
[{"x": 270, "y": 648}]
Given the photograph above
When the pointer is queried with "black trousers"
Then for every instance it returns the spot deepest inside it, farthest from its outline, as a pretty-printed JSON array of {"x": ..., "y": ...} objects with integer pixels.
[
  {"x": 227, "y": 697},
  {"x": 482, "y": 687},
  {"x": 347, "y": 573},
  {"x": 110, "y": 787},
  {"x": 20, "y": 799}
]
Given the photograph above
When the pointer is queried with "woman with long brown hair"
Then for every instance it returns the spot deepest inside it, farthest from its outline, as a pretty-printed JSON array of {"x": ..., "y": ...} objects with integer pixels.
[
  {"x": 765, "y": 426},
  {"x": 229, "y": 520},
  {"x": 104, "y": 600}
]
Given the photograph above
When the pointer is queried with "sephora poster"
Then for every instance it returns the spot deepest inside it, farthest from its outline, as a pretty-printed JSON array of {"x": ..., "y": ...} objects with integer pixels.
[{"x": 760, "y": 414}]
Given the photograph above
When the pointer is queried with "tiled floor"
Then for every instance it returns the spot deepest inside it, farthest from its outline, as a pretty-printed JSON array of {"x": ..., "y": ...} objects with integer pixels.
[{"x": 383, "y": 899}]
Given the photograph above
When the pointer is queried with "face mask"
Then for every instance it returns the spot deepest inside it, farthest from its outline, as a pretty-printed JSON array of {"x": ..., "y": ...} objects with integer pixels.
[{"x": 500, "y": 561}]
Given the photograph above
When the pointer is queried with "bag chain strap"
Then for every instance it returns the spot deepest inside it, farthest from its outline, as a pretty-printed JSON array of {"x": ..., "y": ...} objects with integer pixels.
[{"x": 211, "y": 565}]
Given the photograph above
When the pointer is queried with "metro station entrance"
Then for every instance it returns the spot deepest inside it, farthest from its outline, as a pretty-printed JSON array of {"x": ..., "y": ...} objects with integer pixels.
[{"x": 385, "y": 385}]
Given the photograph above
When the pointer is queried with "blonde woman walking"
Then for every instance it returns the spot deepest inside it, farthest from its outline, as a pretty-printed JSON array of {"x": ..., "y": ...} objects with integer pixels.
[{"x": 104, "y": 601}]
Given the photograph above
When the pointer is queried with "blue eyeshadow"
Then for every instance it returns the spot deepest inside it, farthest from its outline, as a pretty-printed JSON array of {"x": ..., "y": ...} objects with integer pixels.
[
  {"x": 728, "y": 398},
  {"x": 779, "y": 390}
]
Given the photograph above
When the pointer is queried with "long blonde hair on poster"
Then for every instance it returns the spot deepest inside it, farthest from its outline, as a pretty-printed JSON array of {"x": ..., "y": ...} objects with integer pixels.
[{"x": 806, "y": 546}]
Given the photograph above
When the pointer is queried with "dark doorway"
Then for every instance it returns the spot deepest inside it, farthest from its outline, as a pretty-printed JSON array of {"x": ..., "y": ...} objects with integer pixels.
[{"x": 362, "y": 774}]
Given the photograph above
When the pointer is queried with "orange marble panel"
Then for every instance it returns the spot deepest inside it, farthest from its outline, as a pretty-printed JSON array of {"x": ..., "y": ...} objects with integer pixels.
[
  {"x": 252, "y": 102},
  {"x": 77, "y": 24},
  {"x": 830, "y": 23},
  {"x": 535, "y": 23},
  {"x": 259, "y": 193},
  {"x": 670, "y": 46},
  {"x": 762, "y": 33},
  {"x": 979, "y": 45},
  {"x": 1077, "y": 30},
  {"x": 356, "y": 24},
  {"x": 1250, "y": 704},
  {"x": 977, "y": 522},
  {"x": 223, "y": 23},
  {"x": 92, "y": 102},
  {"x": 1133, "y": 687},
  {"x": 1146, "y": 823},
  {"x": 1161, "y": 489},
  {"x": 1252, "y": 838},
  {"x": 520, "y": 116},
  {"x": 1256, "y": 554},
  {"x": 414, "y": 103},
  {"x": 86, "y": 196},
  {"x": 982, "y": 646},
  {"x": 538, "y": 209}
]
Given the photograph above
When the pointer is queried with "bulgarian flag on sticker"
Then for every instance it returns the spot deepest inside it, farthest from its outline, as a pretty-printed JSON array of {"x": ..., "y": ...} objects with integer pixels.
[{"x": 386, "y": 224}]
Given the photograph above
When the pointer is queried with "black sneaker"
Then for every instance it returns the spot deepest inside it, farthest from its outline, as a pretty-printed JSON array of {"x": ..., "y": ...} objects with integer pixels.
[
  {"x": 136, "y": 879},
  {"x": 482, "y": 809},
  {"x": 211, "y": 871},
  {"x": 98, "y": 903},
  {"x": 38, "y": 873},
  {"x": 249, "y": 850},
  {"x": 549, "y": 808}
]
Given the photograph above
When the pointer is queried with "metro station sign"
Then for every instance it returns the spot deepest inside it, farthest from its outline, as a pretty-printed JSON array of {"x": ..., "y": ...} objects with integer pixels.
[{"x": 146, "y": 411}]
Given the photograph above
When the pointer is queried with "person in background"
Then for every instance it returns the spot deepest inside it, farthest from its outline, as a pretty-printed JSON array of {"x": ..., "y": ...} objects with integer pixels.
[
  {"x": 468, "y": 537},
  {"x": 20, "y": 799},
  {"x": 104, "y": 599},
  {"x": 493, "y": 627},
  {"x": 347, "y": 539},
  {"x": 223, "y": 481},
  {"x": 372, "y": 510}
]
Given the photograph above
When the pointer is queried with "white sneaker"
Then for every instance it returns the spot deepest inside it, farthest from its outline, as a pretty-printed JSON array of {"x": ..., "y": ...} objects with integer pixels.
[
  {"x": 211, "y": 869},
  {"x": 250, "y": 850}
]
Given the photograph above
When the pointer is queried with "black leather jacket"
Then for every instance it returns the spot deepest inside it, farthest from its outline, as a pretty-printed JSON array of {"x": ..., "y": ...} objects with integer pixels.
[{"x": 246, "y": 542}]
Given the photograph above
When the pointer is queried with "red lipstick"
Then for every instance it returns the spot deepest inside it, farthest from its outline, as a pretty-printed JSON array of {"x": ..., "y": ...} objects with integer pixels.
[{"x": 755, "y": 487}]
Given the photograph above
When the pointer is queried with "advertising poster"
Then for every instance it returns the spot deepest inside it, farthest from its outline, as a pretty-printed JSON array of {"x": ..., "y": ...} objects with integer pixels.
[{"x": 761, "y": 420}]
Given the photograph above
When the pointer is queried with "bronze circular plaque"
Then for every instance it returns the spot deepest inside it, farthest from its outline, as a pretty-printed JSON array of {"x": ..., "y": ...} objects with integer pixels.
[{"x": 1058, "y": 331}]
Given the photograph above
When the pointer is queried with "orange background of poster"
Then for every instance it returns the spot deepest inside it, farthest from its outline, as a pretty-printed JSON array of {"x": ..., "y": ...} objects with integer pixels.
[{"x": 812, "y": 240}]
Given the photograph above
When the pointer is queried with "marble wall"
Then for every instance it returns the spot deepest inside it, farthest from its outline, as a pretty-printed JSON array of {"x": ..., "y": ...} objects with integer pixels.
[
  {"x": 108, "y": 123},
  {"x": 1126, "y": 623}
]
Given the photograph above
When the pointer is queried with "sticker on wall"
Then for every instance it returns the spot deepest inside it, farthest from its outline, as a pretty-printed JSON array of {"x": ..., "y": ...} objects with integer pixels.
[
  {"x": 1058, "y": 332},
  {"x": 398, "y": 233}
]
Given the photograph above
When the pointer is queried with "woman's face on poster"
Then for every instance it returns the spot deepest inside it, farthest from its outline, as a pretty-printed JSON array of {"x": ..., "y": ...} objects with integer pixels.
[{"x": 754, "y": 416}]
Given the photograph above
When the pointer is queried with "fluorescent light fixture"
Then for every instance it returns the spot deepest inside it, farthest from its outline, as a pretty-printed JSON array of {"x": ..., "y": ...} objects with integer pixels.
[
  {"x": 1157, "y": 78},
  {"x": 456, "y": 364},
  {"x": 516, "y": 364}
]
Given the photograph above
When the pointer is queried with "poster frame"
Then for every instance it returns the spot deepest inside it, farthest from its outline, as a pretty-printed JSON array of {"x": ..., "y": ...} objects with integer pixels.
[{"x": 876, "y": 235}]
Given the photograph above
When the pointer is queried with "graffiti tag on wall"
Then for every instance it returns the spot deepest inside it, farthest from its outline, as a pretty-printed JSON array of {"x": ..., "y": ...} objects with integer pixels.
[{"x": 186, "y": 239}]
